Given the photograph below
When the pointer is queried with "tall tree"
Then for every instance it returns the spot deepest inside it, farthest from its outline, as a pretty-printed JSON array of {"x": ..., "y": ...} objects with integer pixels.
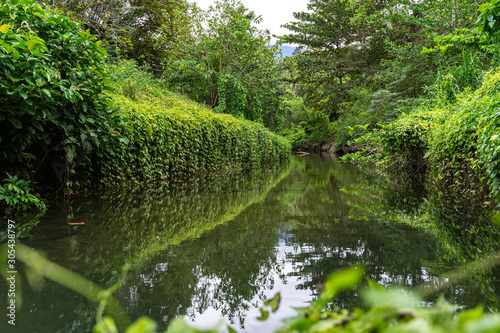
[
  {"x": 376, "y": 44},
  {"x": 223, "y": 60},
  {"x": 339, "y": 44},
  {"x": 104, "y": 18},
  {"x": 149, "y": 20}
]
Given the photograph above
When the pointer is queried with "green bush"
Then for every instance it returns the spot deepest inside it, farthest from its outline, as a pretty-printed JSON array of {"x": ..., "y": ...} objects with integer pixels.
[
  {"x": 402, "y": 143},
  {"x": 170, "y": 136},
  {"x": 458, "y": 133},
  {"x": 15, "y": 194},
  {"x": 52, "y": 75},
  {"x": 18, "y": 202},
  {"x": 464, "y": 149}
]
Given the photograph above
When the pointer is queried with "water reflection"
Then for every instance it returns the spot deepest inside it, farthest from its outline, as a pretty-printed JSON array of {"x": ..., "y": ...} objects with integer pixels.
[{"x": 219, "y": 245}]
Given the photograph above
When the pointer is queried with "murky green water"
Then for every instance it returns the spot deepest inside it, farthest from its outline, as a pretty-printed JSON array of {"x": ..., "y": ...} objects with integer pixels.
[{"x": 220, "y": 245}]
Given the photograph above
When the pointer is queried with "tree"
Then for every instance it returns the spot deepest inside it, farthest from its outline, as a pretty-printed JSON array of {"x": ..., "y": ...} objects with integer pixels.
[
  {"x": 376, "y": 44},
  {"x": 108, "y": 19},
  {"x": 130, "y": 28},
  {"x": 149, "y": 20},
  {"x": 341, "y": 43},
  {"x": 223, "y": 60}
]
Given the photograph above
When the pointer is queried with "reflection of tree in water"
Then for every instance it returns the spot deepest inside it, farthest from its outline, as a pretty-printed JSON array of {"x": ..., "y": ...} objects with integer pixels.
[
  {"x": 219, "y": 243},
  {"x": 461, "y": 223},
  {"x": 225, "y": 269},
  {"x": 331, "y": 237},
  {"x": 131, "y": 225},
  {"x": 236, "y": 261}
]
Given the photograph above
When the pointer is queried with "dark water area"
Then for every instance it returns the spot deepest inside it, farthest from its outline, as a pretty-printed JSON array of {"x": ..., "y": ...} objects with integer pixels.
[{"x": 218, "y": 246}]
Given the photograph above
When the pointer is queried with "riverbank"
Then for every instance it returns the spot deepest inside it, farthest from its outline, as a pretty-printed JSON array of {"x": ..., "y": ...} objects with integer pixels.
[
  {"x": 167, "y": 135},
  {"x": 160, "y": 136},
  {"x": 453, "y": 137}
]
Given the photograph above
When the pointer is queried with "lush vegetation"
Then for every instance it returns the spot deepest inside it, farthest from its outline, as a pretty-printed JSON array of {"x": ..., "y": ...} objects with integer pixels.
[
  {"x": 53, "y": 76},
  {"x": 168, "y": 136},
  {"x": 358, "y": 67},
  {"x": 453, "y": 135},
  {"x": 362, "y": 62},
  {"x": 64, "y": 130},
  {"x": 131, "y": 28},
  {"x": 407, "y": 84},
  {"x": 51, "y": 91},
  {"x": 224, "y": 61}
]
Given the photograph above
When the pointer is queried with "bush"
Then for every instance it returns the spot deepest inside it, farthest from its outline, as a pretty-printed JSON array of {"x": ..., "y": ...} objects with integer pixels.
[
  {"x": 52, "y": 75},
  {"x": 170, "y": 136},
  {"x": 464, "y": 150},
  {"x": 458, "y": 133},
  {"x": 18, "y": 201},
  {"x": 15, "y": 194}
]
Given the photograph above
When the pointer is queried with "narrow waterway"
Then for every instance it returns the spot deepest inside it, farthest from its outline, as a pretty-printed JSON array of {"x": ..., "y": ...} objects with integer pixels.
[{"x": 219, "y": 245}]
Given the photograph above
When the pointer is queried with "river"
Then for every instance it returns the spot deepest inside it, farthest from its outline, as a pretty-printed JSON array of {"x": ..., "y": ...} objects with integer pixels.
[{"x": 217, "y": 246}]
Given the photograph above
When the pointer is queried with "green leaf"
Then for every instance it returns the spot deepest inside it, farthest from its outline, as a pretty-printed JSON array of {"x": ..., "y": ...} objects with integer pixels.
[
  {"x": 274, "y": 302},
  {"x": 395, "y": 297},
  {"x": 46, "y": 92},
  {"x": 264, "y": 314},
  {"x": 123, "y": 140},
  {"x": 31, "y": 44},
  {"x": 143, "y": 325},
  {"x": 343, "y": 280}
]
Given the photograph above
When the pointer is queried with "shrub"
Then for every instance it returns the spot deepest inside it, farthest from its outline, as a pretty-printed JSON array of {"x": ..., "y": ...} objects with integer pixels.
[
  {"x": 15, "y": 194},
  {"x": 402, "y": 143},
  {"x": 459, "y": 137},
  {"x": 464, "y": 149},
  {"x": 171, "y": 136},
  {"x": 52, "y": 75},
  {"x": 18, "y": 201}
]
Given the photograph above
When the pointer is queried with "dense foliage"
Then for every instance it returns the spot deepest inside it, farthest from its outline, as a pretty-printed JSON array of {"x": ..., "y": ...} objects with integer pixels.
[
  {"x": 131, "y": 28},
  {"x": 57, "y": 120},
  {"x": 458, "y": 139},
  {"x": 453, "y": 134},
  {"x": 52, "y": 75},
  {"x": 167, "y": 136},
  {"x": 224, "y": 61},
  {"x": 362, "y": 62},
  {"x": 414, "y": 77}
]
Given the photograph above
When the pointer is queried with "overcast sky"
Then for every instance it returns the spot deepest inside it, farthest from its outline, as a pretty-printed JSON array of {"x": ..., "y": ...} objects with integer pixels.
[{"x": 274, "y": 12}]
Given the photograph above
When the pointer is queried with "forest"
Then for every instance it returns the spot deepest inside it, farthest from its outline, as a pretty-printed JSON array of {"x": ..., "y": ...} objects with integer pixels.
[{"x": 105, "y": 94}]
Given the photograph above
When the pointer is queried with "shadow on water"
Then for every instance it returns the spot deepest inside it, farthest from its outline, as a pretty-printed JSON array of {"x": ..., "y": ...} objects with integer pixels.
[{"x": 219, "y": 245}]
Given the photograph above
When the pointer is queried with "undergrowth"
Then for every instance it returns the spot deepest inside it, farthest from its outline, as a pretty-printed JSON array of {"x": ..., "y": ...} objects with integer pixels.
[
  {"x": 167, "y": 135},
  {"x": 454, "y": 135}
]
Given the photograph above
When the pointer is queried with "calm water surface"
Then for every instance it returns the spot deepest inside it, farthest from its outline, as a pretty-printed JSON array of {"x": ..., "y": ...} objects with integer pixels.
[{"x": 218, "y": 246}]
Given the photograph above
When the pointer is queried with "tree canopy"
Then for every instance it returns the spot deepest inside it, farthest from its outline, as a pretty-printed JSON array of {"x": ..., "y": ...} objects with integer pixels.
[
  {"x": 223, "y": 60},
  {"x": 131, "y": 28},
  {"x": 348, "y": 44}
]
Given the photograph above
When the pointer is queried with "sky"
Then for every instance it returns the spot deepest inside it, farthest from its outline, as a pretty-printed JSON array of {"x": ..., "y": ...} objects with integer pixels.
[{"x": 274, "y": 12}]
